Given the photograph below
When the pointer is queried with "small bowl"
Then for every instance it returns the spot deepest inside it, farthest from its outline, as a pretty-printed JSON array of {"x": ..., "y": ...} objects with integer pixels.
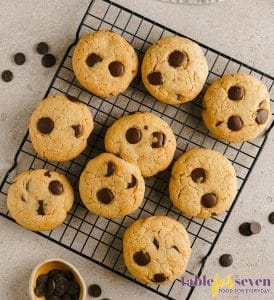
[{"x": 56, "y": 263}]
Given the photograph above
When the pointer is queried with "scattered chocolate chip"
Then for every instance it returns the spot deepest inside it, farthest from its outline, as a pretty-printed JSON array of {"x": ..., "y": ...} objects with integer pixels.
[
  {"x": 176, "y": 248},
  {"x": 159, "y": 139},
  {"x": 244, "y": 229},
  {"x": 73, "y": 288},
  {"x": 105, "y": 195},
  {"x": 110, "y": 169},
  {"x": 56, "y": 187},
  {"x": 159, "y": 277},
  {"x": 78, "y": 130},
  {"x": 177, "y": 59},
  {"x": 40, "y": 290},
  {"x": 226, "y": 260},
  {"x": 271, "y": 218},
  {"x": 94, "y": 290},
  {"x": 40, "y": 209},
  {"x": 262, "y": 116},
  {"x": 51, "y": 287},
  {"x": 235, "y": 93},
  {"x": 141, "y": 258},
  {"x": 45, "y": 125},
  {"x": 61, "y": 285},
  {"x": 7, "y": 76},
  {"x": 156, "y": 243},
  {"x": 209, "y": 200},
  {"x": 42, "y": 279},
  {"x": 69, "y": 275},
  {"x": 47, "y": 174},
  {"x": 116, "y": 68},
  {"x": 235, "y": 123},
  {"x": 255, "y": 227},
  {"x": 146, "y": 127},
  {"x": 23, "y": 198},
  {"x": 48, "y": 60},
  {"x": 133, "y": 135},
  {"x": 19, "y": 58},
  {"x": 198, "y": 175},
  {"x": 42, "y": 48},
  {"x": 53, "y": 273},
  {"x": 93, "y": 59},
  {"x": 155, "y": 78},
  {"x": 132, "y": 183}
]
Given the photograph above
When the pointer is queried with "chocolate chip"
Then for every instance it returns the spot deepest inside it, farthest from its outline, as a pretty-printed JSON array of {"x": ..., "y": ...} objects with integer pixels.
[
  {"x": 27, "y": 185},
  {"x": 47, "y": 174},
  {"x": 262, "y": 116},
  {"x": 209, "y": 200},
  {"x": 93, "y": 59},
  {"x": 235, "y": 93},
  {"x": 255, "y": 227},
  {"x": 19, "y": 58},
  {"x": 73, "y": 288},
  {"x": 94, "y": 290},
  {"x": 105, "y": 195},
  {"x": 78, "y": 130},
  {"x": 133, "y": 135},
  {"x": 67, "y": 297},
  {"x": 23, "y": 198},
  {"x": 159, "y": 139},
  {"x": 51, "y": 287},
  {"x": 235, "y": 123},
  {"x": 141, "y": 258},
  {"x": 40, "y": 290},
  {"x": 177, "y": 59},
  {"x": 73, "y": 99},
  {"x": 156, "y": 243},
  {"x": 146, "y": 127},
  {"x": 7, "y": 76},
  {"x": 53, "y": 297},
  {"x": 53, "y": 273},
  {"x": 42, "y": 279},
  {"x": 176, "y": 248},
  {"x": 155, "y": 78},
  {"x": 198, "y": 175},
  {"x": 61, "y": 285},
  {"x": 68, "y": 274},
  {"x": 116, "y": 68},
  {"x": 42, "y": 48},
  {"x": 45, "y": 125},
  {"x": 159, "y": 277},
  {"x": 132, "y": 183},
  {"x": 219, "y": 123},
  {"x": 40, "y": 209},
  {"x": 48, "y": 60},
  {"x": 56, "y": 187},
  {"x": 271, "y": 218},
  {"x": 226, "y": 260},
  {"x": 244, "y": 229},
  {"x": 110, "y": 169}
]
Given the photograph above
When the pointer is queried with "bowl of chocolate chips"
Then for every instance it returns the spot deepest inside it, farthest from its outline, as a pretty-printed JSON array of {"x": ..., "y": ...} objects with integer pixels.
[{"x": 55, "y": 279}]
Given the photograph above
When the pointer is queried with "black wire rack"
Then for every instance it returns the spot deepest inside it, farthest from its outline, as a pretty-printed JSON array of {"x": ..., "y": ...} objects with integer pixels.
[{"x": 99, "y": 239}]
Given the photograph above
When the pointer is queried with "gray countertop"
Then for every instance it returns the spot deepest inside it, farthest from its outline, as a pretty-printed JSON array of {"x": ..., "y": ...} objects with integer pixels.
[{"x": 241, "y": 29}]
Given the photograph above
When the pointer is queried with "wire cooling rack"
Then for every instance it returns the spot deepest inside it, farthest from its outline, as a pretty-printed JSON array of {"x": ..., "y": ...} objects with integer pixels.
[{"x": 99, "y": 239}]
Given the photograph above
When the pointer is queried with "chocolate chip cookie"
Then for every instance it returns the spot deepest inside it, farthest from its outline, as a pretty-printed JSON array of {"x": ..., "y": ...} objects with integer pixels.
[
  {"x": 104, "y": 63},
  {"x": 143, "y": 139},
  {"x": 59, "y": 127},
  {"x": 156, "y": 249},
  {"x": 111, "y": 187},
  {"x": 236, "y": 107},
  {"x": 203, "y": 183},
  {"x": 174, "y": 70},
  {"x": 40, "y": 199}
]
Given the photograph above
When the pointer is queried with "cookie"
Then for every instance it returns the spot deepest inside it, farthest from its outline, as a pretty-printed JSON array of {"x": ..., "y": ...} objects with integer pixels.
[
  {"x": 174, "y": 70},
  {"x": 104, "y": 63},
  {"x": 143, "y": 139},
  {"x": 236, "y": 107},
  {"x": 59, "y": 127},
  {"x": 156, "y": 249},
  {"x": 203, "y": 183},
  {"x": 111, "y": 187},
  {"x": 40, "y": 199}
]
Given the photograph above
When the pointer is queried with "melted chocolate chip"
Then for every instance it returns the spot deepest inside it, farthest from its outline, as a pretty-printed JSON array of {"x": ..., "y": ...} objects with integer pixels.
[
  {"x": 219, "y": 123},
  {"x": 176, "y": 248},
  {"x": 226, "y": 260},
  {"x": 47, "y": 174},
  {"x": 78, "y": 130},
  {"x": 159, "y": 277},
  {"x": 132, "y": 183},
  {"x": 40, "y": 209},
  {"x": 177, "y": 59},
  {"x": 110, "y": 169},
  {"x": 93, "y": 59},
  {"x": 159, "y": 139},
  {"x": 198, "y": 175},
  {"x": 133, "y": 135},
  {"x": 116, "y": 68},
  {"x": 209, "y": 200},
  {"x": 56, "y": 187},
  {"x": 235, "y": 123},
  {"x": 155, "y": 78},
  {"x": 235, "y": 93},
  {"x": 261, "y": 116},
  {"x": 45, "y": 125},
  {"x": 105, "y": 195},
  {"x": 156, "y": 243},
  {"x": 141, "y": 258}
]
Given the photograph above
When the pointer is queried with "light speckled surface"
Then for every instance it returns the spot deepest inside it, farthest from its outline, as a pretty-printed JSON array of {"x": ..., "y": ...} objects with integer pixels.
[{"x": 248, "y": 37}]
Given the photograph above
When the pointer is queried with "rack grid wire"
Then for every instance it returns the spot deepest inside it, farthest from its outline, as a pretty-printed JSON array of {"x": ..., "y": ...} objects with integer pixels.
[{"x": 99, "y": 239}]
